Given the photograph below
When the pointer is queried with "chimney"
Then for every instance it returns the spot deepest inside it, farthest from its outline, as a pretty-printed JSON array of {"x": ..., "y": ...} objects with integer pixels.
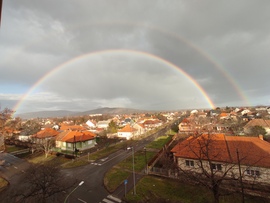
[{"x": 261, "y": 137}]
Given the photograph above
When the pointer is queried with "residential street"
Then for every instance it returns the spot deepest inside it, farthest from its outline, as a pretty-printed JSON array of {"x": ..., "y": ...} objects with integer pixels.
[{"x": 92, "y": 190}]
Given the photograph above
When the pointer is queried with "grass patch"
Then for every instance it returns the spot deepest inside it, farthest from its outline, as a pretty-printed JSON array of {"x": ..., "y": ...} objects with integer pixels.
[
  {"x": 153, "y": 189},
  {"x": 75, "y": 163},
  {"x": 3, "y": 183},
  {"x": 139, "y": 161},
  {"x": 51, "y": 159},
  {"x": 13, "y": 148},
  {"x": 159, "y": 142},
  {"x": 115, "y": 177}
]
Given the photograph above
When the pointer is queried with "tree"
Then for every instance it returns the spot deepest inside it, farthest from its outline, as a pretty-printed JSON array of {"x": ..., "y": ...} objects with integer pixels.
[
  {"x": 31, "y": 127},
  {"x": 5, "y": 115},
  {"x": 46, "y": 145},
  {"x": 204, "y": 170},
  {"x": 43, "y": 183},
  {"x": 112, "y": 128},
  {"x": 257, "y": 130}
]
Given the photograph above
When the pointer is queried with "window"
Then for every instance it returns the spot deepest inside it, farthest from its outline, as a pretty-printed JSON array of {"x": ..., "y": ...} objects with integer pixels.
[
  {"x": 89, "y": 142},
  {"x": 68, "y": 145},
  {"x": 216, "y": 167},
  {"x": 189, "y": 163},
  {"x": 252, "y": 172}
]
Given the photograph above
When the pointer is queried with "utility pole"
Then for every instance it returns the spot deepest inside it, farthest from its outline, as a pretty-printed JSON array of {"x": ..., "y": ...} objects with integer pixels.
[
  {"x": 240, "y": 177},
  {"x": 134, "y": 184},
  {"x": 146, "y": 170}
]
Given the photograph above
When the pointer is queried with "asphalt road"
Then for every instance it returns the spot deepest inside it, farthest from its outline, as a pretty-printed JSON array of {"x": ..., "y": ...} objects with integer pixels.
[{"x": 92, "y": 190}]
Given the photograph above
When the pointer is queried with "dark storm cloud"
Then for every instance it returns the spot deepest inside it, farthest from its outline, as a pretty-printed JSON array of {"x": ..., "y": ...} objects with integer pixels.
[{"x": 215, "y": 42}]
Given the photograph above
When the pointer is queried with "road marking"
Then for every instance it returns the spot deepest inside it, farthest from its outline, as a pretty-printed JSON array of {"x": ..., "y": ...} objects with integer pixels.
[
  {"x": 107, "y": 201},
  {"x": 114, "y": 198},
  {"x": 104, "y": 159},
  {"x": 82, "y": 200}
]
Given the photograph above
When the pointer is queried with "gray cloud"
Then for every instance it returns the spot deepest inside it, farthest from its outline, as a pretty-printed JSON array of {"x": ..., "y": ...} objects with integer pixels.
[{"x": 221, "y": 45}]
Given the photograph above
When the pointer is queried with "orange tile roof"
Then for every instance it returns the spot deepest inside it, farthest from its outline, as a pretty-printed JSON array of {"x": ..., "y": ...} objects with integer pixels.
[
  {"x": 127, "y": 128},
  {"x": 75, "y": 136},
  {"x": 258, "y": 122},
  {"x": 224, "y": 114},
  {"x": 72, "y": 127},
  {"x": 252, "y": 150},
  {"x": 47, "y": 132}
]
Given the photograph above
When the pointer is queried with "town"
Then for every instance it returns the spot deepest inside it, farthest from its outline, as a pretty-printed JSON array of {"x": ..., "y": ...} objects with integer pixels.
[{"x": 222, "y": 153}]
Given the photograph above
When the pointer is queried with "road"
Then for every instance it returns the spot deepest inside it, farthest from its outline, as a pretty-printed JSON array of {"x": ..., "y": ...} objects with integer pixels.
[{"x": 92, "y": 190}]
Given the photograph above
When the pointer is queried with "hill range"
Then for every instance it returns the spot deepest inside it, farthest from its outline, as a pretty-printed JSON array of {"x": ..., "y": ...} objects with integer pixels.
[{"x": 63, "y": 113}]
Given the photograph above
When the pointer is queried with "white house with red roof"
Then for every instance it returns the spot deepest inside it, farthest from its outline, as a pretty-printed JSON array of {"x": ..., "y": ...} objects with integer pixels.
[
  {"x": 45, "y": 134},
  {"x": 127, "y": 132},
  {"x": 223, "y": 154},
  {"x": 70, "y": 140}
]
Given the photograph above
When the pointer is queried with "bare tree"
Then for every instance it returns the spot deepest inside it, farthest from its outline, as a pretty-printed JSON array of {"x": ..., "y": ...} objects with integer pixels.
[
  {"x": 42, "y": 183},
  {"x": 46, "y": 145},
  {"x": 5, "y": 115},
  {"x": 202, "y": 167}
]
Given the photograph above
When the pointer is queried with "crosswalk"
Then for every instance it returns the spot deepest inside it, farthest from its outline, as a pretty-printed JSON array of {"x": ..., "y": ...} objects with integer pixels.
[{"x": 111, "y": 199}]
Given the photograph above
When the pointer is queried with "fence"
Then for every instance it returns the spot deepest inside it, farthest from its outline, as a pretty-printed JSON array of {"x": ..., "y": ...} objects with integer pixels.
[{"x": 23, "y": 151}]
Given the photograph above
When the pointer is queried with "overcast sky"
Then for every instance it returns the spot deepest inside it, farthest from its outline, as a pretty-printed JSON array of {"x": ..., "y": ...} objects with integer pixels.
[{"x": 125, "y": 53}]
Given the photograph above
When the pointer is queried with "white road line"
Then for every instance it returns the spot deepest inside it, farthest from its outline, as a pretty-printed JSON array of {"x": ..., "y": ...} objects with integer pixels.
[
  {"x": 107, "y": 201},
  {"x": 114, "y": 157},
  {"x": 82, "y": 200},
  {"x": 114, "y": 198}
]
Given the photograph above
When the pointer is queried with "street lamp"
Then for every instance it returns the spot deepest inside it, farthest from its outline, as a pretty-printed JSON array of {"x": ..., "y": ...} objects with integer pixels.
[
  {"x": 145, "y": 160},
  {"x": 82, "y": 182}
]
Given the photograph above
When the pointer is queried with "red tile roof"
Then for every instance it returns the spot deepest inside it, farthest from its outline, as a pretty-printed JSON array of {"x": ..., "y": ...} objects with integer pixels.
[
  {"x": 127, "y": 128},
  {"x": 75, "y": 136},
  {"x": 72, "y": 127},
  {"x": 258, "y": 122},
  {"x": 252, "y": 151},
  {"x": 46, "y": 133}
]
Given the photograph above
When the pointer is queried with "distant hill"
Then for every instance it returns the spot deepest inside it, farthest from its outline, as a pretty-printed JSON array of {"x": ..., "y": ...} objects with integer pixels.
[
  {"x": 115, "y": 111},
  {"x": 45, "y": 114},
  {"x": 62, "y": 113}
]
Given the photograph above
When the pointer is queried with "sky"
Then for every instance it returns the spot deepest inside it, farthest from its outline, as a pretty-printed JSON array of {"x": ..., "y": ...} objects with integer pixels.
[{"x": 150, "y": 55}]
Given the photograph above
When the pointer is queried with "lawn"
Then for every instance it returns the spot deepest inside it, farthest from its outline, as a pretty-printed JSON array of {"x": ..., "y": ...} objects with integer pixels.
[
  {"x": 154, "y": 189},
  {"x": 159, "y": 142},
  {"x": 139, "y": 161},
  {"x": 126, "y": 166},
  {"x": 3, "y": 183},
  {"x": 12, "y": 148},
  {"x": 115, "y": 177}
]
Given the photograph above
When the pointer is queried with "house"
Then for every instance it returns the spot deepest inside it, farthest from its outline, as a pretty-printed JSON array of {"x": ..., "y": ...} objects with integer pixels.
[
  {"x": 70, "y": 140},
  {"x": 225, "y": 155},
  {"x": 24, "y": 138},
  {"x": 258, "y": 122},
  {"x": 152, "y": 123},
  {"x": 64, "y": 127},
  {"x": 103, "y": 124},
  {"x": 91, "y": 124},
  {"x": 43, "y": 135},
  {"x": 186, "y": 126},
  {"x": 224, "y": 116},
  {"x": 140, "y": 128},
  {"x": 127, "y": 132}
]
